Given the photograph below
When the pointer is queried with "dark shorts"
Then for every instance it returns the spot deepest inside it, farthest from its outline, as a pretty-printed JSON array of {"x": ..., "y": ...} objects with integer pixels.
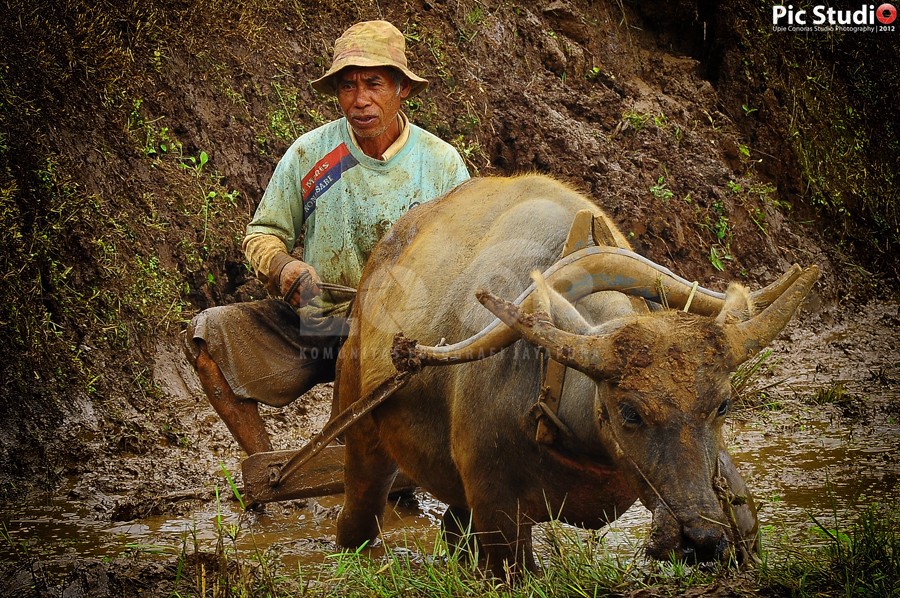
[{"x": 268, "y": 351}]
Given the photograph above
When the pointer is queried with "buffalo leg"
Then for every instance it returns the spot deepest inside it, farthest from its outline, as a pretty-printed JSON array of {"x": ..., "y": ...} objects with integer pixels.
[
  {"x": 368, "y": 474},
  {"x": 506, "y": 541},
  {"x": 456, "y": 526}
]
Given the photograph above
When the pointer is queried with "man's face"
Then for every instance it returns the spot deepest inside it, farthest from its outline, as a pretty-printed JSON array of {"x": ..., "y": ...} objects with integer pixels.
[{"x": 370, "y": 99}]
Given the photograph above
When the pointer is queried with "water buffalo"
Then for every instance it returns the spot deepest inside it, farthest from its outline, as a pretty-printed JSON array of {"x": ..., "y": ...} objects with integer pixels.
[{"x": 644, "y": 400}]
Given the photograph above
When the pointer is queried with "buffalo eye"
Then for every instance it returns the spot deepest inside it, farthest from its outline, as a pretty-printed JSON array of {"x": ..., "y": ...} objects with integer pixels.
[
  {"x": 630, "y": 416},
  {"x": 723, "y": 408}
]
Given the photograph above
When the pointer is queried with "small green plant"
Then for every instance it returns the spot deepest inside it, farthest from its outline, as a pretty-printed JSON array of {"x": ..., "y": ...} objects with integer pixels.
[
  {"x": 859, "y": 559},
  {"x": 233, "y": 486},
  {"x": 661, "y": 190},
  {"x": 469, "y": 150},
  {"x": 758, "y": 216},
  {"x": 154, "y": 141},
  {"x": 195, "y": 164},
  {"x": 747, "y": 109},
  {"x": 744, "y": 380},
  {"x": 828, "y": 395},
  {"x": 636, "y": 120},
  {"x": 720, "y": 226},
  {"x": 473, "y": 20},
  {"x": 718, "y": 255},
  {"x": 283, "y": 121},
  {"x": 318, "y": 119}
]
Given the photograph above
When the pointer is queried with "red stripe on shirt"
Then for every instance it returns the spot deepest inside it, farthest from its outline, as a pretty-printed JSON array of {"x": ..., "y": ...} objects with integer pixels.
[{"x": 321, "y": 167}]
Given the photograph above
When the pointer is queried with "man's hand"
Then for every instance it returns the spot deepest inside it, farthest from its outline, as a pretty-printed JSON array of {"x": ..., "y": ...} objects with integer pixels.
[{"x": 299, "y": 283}]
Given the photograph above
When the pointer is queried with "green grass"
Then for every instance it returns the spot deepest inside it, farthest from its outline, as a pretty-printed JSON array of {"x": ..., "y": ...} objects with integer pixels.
[
  {"x": 574, "y": 563},
  {"x": 861, "y": 558}
]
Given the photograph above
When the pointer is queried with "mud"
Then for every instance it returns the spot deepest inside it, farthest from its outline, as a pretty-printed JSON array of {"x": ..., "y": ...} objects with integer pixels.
[
  {"x": 805, "y": 454},
  {"x": 112, "y": 465}
]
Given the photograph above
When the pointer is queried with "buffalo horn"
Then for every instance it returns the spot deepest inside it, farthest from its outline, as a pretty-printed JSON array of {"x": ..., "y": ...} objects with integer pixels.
[
  {"x": 590, "y": 270},
  {"x": 588, "y": 354}
]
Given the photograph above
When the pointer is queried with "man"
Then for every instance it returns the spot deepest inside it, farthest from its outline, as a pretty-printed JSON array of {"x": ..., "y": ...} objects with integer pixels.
[{"x": 340, "y": 187}]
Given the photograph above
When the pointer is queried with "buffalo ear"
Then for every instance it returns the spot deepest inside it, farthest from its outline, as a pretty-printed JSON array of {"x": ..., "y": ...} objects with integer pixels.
[
  {"x": 561, "y": 311},
  {"x": 738, "y": 306}
]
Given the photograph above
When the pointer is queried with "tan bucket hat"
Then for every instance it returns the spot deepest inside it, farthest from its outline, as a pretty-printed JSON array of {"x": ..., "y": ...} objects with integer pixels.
[{"x": 370, "y": 43}]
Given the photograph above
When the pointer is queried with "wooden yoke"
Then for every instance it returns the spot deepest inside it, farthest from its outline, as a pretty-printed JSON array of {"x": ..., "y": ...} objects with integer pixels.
[{"x": 586, "y": 230}]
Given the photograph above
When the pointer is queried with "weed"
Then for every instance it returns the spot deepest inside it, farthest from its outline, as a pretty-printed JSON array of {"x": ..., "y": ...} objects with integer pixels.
[
  {"x": 411, "y": 33},
  {"x": 233, "y": 486},
  {"x": 436, "y": 48},
  {"x": 636, "y": 120},
  {"x": 718, "y": 255},
  {"x": 195, "y": 164},
  {"x": 829, "y": 395},
  {"x": 318, "y": 119},
  {"x": 719, "y": 225},
  {"x": 473, "y": 21},
  {"x": 283, "y": 120},
  {"x": 862, "y": 559},
  {"x": 153, "y": 141},
  {"x": 744, "y": 380},
  {"x": 661, "y": 190},
  {"x": 469, "y": 150}
]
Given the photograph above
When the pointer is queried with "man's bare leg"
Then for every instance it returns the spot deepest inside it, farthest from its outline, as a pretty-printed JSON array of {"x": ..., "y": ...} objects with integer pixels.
[{"x": 240, "y": 415}]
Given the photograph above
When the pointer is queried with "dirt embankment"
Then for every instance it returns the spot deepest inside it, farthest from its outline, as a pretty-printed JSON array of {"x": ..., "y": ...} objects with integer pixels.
[{"x": 138, "y": 139}]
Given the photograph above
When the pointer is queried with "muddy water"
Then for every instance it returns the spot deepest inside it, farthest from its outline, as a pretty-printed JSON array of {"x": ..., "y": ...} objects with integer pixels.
[{"x": 804, "y": 452}]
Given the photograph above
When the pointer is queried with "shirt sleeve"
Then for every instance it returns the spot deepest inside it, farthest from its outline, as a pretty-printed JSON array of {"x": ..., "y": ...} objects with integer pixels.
[
  {"x": 280, "y": 212},
  {"x": 259, "y": 249}
]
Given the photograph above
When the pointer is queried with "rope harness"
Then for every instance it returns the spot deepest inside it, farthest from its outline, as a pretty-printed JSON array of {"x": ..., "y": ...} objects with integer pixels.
[{"x": 585, "y": 230}]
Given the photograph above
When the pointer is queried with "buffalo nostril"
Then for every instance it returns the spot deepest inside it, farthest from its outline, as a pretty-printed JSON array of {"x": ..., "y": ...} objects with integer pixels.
[{"x": 704, "y": 543}]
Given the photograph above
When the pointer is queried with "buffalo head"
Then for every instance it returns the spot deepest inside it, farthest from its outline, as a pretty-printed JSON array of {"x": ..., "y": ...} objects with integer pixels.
[{"x": 663, "y": 391}]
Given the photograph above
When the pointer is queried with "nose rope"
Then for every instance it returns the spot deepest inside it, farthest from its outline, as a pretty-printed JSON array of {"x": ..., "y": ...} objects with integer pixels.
[
  {"x": 612, "y": 430},
  {"x": 746, "y": 547},
  {"x": 656, "y": 492}
]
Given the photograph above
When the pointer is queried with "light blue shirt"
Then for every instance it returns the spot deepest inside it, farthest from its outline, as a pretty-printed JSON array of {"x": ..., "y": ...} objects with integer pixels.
[{"x": 344, "y": 201}]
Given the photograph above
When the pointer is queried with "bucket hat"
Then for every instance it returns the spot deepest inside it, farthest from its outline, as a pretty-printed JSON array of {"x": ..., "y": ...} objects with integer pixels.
[{"x": 369, "y": 43}]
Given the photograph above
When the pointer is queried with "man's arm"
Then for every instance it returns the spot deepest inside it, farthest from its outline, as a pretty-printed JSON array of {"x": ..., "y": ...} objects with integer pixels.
[
  {"x": 273, "y": 231},
  {"x": 284, "y": 275}
]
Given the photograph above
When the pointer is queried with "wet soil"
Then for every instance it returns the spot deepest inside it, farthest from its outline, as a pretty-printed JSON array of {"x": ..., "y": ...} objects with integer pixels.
[
  {"x": 110, "y": 467},
  {"x": 805, "y": 454}
]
